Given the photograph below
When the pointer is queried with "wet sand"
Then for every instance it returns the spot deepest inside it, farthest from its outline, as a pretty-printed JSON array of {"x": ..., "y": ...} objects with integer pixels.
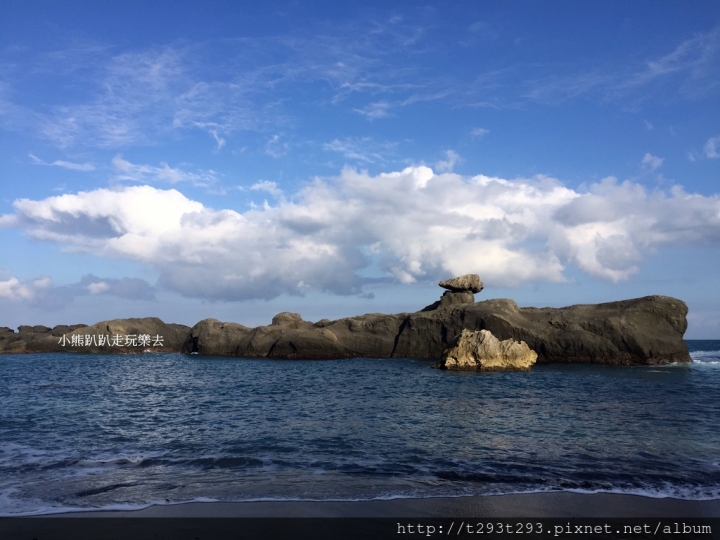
[
  {"x": 377, "y": 520},
  {"x": 558, "y": 504}
]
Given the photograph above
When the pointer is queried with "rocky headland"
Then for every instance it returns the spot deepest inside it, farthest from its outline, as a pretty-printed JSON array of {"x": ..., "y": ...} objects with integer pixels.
[{"x": 641, "y": 331}]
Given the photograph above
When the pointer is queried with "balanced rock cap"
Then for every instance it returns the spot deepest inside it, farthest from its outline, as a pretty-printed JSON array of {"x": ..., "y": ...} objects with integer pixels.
[{"x": 468, "y": 282}]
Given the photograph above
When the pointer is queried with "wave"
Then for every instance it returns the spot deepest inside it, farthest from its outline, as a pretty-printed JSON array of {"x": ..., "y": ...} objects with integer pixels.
[
  {"x": 45, "y": 510},
  {"x": 706, "y": 358},
  {"x": 669, "y": 492},
  {"x": 14, "y": 456},
  {"x": 114, "y": 462}
]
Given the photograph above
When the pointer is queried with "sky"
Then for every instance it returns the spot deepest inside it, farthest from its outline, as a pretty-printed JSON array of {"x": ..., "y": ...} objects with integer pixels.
[{"x": 234, "y": 160}]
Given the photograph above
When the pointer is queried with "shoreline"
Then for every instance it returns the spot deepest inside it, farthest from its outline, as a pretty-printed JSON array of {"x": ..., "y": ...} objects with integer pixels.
[
  {"x": 559, "y": 504},
  {"x": 544, "y": 515}
]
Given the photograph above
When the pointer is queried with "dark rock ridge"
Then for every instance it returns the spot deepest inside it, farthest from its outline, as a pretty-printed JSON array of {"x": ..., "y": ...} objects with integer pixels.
[
  {"x": 118, "y": 336},
  {"x": 641, "y": 331}
]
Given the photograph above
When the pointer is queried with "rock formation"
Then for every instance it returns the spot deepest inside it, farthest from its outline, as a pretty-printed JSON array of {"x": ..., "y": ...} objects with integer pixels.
[
  {"x": 468, "y": 282},
  {"x": 460, "y": 290},
  {"x": 481, "y": 351},
  {"x": 116, "y": 336},
  {"x": 642, "y": 331}
]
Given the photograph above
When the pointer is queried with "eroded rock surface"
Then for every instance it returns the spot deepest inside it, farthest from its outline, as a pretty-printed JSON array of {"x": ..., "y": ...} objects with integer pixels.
[
  {"x": 641, "y": 331},
  {"x": 461, "y": 290},
  {"x": 481, "y": 351},
  {"x": 468, "y": 282},
  {"x": 115, "y": 336}
]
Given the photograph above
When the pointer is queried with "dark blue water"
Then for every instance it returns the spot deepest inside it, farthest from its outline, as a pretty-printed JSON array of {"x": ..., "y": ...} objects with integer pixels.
[{"x": 125, "y": 431}]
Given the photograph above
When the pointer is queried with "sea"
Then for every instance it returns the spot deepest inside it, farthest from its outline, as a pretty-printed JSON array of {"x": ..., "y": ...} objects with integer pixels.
[{"x": 91, "y": 432}]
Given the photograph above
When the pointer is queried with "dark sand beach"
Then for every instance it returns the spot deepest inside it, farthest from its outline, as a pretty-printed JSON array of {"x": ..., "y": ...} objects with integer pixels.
[
  {"x": 551, "y": 514},
  {"x": 549, "y": 505}
]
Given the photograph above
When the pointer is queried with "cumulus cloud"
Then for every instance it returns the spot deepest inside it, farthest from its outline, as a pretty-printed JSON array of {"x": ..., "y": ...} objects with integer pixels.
[
  {"x": 712, "y": 147},
  {"x": 651, "y": 162},
  {"x": 14, "y": 289},
  {"x": 43, "y": 293},
  {"x": 413, "y": 224}
]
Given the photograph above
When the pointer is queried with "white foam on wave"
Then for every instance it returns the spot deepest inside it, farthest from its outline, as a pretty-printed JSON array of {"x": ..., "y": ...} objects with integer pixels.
[
  {"x": 706, "y": 357},
  {"x": 670, "y": 492},
  {"x": 13, "y": 508},
  {"x": 14, "y": 455},
  {"x": 123, "y": 461},
  {"x": 16, "y": 509},
  {"x": 126, "y": 460}
]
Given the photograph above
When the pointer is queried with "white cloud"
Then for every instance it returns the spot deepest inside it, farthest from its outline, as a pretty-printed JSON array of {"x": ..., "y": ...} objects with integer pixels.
[
  {"x": 218, "y": 139},
  {"x": 98, "y": 287},
  {"x": 268, "y": 187},
  {"x": 447, "y": 165},
  {"x": 63, "y": 164},
  {"x": 651, "y": 162},
  {"x": 649, "y": 126},
  {"x": 275, "y": 148},
  {"x": 14, "y": 289},
  {"x": 43, "y": 293},
  {"x": 363, "y": 149},
  {"x": 689, "y": 70},
  {"x": 479, "y": 133},
  {"x": 126, "y": 171},
  {"x": 712, "y": 147},
  {"x": 416, "y": 225},
  {"x": 695, "y": 58},
  {"x": 373, "y": 111}
]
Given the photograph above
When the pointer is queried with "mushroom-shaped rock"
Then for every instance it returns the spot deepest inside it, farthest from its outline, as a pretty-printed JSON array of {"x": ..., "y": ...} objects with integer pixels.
[
  {"x": 481, "y": 351},
  {"x": 468, "y": 282}
]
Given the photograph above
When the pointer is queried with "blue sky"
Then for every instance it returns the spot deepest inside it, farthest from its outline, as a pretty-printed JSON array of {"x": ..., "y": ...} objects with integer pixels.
[{"x": 189, "y": 160}]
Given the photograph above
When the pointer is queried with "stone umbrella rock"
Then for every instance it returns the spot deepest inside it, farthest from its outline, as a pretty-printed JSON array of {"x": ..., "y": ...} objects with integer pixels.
[
  {"x": 460, "y": 290},
  {"x": 468, "y": 282}
]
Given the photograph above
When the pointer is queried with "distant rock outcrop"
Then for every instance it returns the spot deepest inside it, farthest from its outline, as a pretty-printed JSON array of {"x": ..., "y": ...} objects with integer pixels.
[
  {"x": 116, "y": 336},
  {"x": 481, "y": 351},
  {"x": 642, "y": 331}
]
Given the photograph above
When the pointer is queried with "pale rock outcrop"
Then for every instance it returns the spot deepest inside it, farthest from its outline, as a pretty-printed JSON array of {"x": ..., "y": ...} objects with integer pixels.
[{"x": 481, "y": 351}]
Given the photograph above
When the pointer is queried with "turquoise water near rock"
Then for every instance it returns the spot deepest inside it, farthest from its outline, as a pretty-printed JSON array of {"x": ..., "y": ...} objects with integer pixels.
[{"x": 125, "y": 431}]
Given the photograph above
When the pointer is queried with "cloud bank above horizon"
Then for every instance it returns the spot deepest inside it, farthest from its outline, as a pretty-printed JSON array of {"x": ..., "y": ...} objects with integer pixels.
[{"x": 338, "y": 234}]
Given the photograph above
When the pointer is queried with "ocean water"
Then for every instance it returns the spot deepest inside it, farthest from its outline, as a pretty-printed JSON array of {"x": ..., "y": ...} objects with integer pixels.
[{"x": 126, "y": 431}]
